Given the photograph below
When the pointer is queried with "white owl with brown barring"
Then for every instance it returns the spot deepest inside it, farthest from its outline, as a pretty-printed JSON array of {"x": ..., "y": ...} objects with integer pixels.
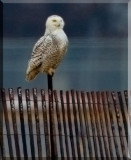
[{"x": 49, "y": 50}]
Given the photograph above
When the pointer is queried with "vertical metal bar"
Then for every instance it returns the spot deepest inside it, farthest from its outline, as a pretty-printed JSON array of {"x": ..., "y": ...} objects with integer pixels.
[
  {"x": 81, "y": 126},
  {"x": 50, "y": 83},
  {"x": 89, "y": 127},
  {"x": 37, "y": 124},
  {"x": 54, "y": 154},
  {"x": 3, "y": 94},
  {"x": 46, "y": 129},
  {"x": 114, "y": 126},
  {"x": 94, "y": 131},
  {"x": 70, "y": 125},
  {"x": 103, "y": 125},
  {"x": 28, "y": 104},
  {"x": 19, "y": 92},
  {"x": 129, "y": 123},
  {"x": 59, "y": 125},
  {"x": 108, "y": 125},
  {"x": 51, "y": 117},
  {"x": 124, "y": 112},
  {"x": 126, "y": 98},
  {"x": 120, "y": 124},
  {"x": 11, "y": 96},
  {"x": 2, "y": 146},
  {"x": 76, "y": 125},
  {"x": 64, "y": 123},
  {"x": 98, "y": 124}
]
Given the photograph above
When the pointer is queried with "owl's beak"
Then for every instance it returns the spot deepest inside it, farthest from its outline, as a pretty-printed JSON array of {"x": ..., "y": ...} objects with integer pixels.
[{"x": 58, "y": 25}]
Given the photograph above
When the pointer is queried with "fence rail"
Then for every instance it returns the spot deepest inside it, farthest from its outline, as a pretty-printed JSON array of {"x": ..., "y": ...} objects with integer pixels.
[{"x": 85, "y": 124}]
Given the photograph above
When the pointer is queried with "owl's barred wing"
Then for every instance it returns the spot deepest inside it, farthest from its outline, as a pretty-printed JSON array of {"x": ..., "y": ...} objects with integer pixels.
[{"x": 44, "y": 46}]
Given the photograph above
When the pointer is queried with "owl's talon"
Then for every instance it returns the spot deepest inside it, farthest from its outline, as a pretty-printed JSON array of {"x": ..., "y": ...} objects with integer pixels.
[{"x": 51, "y": 71}]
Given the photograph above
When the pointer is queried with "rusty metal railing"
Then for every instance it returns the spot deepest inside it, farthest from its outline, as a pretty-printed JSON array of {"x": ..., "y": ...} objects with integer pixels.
[{"x": 85, "y": 124}]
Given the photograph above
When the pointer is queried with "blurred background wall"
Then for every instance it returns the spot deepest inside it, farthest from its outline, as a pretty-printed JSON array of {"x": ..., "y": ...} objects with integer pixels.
[{"x": 98, "y": 44}]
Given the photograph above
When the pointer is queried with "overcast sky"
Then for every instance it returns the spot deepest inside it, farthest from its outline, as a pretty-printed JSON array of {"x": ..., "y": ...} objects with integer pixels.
[{"x": 84, "y": 19}]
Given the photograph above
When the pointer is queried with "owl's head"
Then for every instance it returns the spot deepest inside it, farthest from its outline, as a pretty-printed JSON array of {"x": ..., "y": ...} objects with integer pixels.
[{"x": 54, "y": 22}]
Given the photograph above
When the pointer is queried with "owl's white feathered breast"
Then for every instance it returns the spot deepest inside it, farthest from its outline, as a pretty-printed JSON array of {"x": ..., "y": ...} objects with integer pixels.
[{"x": 49, "y": 49}]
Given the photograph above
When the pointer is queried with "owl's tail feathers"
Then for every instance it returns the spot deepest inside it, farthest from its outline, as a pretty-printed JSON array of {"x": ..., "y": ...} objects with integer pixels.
[{"x": 31, "y": 75}]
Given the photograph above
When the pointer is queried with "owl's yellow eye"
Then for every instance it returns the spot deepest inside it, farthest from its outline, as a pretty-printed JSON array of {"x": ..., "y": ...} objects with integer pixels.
[{"x": 54, "y": 20}]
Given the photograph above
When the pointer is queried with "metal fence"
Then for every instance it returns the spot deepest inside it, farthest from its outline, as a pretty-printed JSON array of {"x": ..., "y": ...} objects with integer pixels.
[{"x": 85, "y": 125}]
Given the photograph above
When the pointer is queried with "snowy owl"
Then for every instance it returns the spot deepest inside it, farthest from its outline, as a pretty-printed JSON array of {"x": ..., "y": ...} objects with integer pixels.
[{"x": 49, "y": 49}]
